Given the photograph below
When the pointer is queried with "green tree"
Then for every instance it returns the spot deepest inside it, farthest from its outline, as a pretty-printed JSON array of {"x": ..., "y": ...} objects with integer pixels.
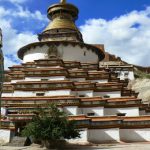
[{"x": 51, "y": 125}]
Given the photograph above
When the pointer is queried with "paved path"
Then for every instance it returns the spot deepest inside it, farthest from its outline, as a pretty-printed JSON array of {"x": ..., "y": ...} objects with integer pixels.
[{"x": 135, "y": 146}]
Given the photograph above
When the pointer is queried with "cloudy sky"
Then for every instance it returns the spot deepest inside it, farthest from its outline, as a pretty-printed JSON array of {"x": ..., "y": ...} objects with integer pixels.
[{"x": 122, "y": 25}]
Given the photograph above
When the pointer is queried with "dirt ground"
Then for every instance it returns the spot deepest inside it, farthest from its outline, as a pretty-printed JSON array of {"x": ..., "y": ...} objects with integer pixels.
[{"x": 133, "y": 146}]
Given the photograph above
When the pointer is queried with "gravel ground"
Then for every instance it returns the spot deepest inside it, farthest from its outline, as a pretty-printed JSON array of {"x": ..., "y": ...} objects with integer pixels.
[{"x": 135, "y": 146}]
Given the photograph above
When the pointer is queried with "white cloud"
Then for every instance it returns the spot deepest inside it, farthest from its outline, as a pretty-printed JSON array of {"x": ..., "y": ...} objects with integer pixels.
[
  {"x": 12, "y": 41},
  {"x": 25, "y": 13},
  {"x": 15, "y": 1},
  {"x": 126, "y": 36},
  {"x": 12, "y": 38},
  {"x": 21, "y": 12}
]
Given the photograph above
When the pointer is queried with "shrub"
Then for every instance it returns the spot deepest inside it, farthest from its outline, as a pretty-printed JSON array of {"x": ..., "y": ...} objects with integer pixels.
[{"x": 50, "y": 125}]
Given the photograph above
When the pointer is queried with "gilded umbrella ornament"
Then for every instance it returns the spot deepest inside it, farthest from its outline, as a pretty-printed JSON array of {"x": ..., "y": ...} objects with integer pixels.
[{"x": 63, "y": 1}]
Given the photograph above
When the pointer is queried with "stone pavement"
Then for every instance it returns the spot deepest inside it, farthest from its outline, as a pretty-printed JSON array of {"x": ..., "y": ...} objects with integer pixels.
[{"x": 133, "y": 146}]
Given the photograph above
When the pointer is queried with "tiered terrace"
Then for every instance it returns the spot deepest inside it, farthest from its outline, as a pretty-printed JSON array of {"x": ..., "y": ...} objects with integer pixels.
[
  {"x": 62, "y": 69},
  {"x": 94, "y": 96}
]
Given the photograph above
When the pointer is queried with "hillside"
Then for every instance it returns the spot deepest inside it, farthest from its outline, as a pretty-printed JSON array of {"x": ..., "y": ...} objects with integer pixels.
[{"x": 141, "y": 85}]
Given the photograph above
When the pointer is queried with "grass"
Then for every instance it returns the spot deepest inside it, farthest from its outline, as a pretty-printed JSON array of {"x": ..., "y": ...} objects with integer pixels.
[{"x": 141, "y": 75}]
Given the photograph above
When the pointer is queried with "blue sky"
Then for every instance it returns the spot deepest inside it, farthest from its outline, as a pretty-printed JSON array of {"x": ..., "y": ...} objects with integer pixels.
[
  {"x": 122, "y": 25},
  {"x": 106, "y": 9}
]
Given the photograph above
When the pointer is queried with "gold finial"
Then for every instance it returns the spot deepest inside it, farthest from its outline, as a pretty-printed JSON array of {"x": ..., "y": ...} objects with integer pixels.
[{"x": 63, "y": 1}]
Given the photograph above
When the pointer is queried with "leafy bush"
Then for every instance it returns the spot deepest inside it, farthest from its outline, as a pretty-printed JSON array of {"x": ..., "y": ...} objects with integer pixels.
[{"x": 51, "y": 125}]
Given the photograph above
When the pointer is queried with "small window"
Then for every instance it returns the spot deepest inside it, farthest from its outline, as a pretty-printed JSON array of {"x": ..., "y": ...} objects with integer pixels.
[
  {"x": 84, "y": 53},
  {"x": 91, "y": 114},
  {"x": 119, "y": 74},
  {"x": 40, "y": 94},
  {"x": 106, "y": 96},
  {"x": 44, "y": 79},
  {"x": 81, "y": 95},
  {"x": 126, "y": 74}
]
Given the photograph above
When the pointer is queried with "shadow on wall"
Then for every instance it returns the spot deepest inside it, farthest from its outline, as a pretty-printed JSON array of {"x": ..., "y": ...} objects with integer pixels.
[
  {"x": 134, "y": 135},
  {"x": 98, "y": 136}
]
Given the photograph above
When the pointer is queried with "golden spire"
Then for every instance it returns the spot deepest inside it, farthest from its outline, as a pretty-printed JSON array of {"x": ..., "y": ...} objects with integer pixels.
[{"x": 63, "y": 1}]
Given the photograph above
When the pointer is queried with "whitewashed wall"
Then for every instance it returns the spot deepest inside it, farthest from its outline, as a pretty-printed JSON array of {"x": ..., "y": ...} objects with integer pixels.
[
  {"x": 71, "y": 110},
  {"x": 103, "y": 135},
  {"x": 99, "y": 111},
  {"x": 7, "y": 94},
  {"x": 47, "y": 93},
  {"x": 48, "y": 66},
  {"x": 3, "y": 111},
  {"x": 49, "y": 78},
  {"x": 77, "y": 79},
  {"x": 135, "y": 135},
  {"x": 130, "y": 75},
  {"x": 114, "y": 94},
  {"x": 5, "y": 136},
  {"x": 83, "y": 136},
  {"x": 99, "y": 81},
  {"x": 68, "y": 53},
  {"x": 14, "y": 81},
  {"x": 130, "y": 111},
  {"x": 86, "y": 93},
  {"x": 58, "y": 93}
]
